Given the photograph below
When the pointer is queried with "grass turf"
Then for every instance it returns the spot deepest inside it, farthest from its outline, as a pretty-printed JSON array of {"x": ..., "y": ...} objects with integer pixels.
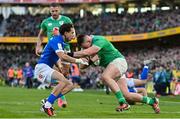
[{"x": 25, "y": 103}]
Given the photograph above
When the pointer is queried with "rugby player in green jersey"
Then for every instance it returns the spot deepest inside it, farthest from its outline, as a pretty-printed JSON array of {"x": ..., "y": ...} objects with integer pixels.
[
  {"x": 50, "y": 26},
  {"x": 115, "y": 67}
]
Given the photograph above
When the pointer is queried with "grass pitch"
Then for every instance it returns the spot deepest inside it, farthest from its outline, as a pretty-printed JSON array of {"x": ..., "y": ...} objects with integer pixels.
[{"x": 25, "y": 103}]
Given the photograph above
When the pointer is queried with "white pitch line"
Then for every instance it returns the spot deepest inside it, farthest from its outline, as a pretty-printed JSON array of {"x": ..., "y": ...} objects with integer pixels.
[{"x": 170, "y": 102}]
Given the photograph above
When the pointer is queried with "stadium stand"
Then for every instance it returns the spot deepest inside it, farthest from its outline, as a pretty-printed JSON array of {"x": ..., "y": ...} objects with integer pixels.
[{"x": 103, "y": 24}]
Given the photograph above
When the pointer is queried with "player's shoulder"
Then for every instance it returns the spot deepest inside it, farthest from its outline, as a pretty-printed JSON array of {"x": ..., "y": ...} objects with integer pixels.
[
  {"x": 46, "y": 19},
  {"x": 56, "y": 38},
  {"x": 65, "y": 17},
  {"x": 98, "y": 37}
]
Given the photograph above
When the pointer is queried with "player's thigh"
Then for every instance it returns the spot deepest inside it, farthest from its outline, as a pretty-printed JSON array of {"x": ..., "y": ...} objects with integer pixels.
[
  {"x": 59, "y": 76},
  {"x": 111, "y": 71},
  {"x": 120, "y": 65},
  {"x": 43, "y": 73}
]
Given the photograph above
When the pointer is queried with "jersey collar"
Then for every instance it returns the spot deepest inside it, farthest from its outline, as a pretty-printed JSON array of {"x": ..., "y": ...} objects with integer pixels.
[{"x": 56, "y": 19}]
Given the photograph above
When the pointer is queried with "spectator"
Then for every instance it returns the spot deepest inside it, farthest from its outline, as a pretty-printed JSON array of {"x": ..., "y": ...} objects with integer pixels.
[
  {"x": 28, "y": 74},
  {"x": 10, "y": 75}
]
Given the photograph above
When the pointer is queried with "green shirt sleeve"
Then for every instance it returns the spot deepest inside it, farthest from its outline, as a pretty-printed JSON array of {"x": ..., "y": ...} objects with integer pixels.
[
  {"x": 43, "y": 26},
  {"x": 68, "y": 20},
  {"x": 99, "y": 43}
]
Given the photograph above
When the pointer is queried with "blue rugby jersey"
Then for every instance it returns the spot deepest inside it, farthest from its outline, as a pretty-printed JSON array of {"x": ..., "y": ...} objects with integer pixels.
[{"x": 49, "y": 56}]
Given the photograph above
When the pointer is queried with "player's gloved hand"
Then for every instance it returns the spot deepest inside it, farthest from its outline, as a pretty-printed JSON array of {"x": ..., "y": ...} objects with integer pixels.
[{"x": 80, "y": 61}]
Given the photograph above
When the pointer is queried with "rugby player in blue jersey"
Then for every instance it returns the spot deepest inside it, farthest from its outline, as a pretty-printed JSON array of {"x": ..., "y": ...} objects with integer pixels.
[{"x": 53, "y": 51}]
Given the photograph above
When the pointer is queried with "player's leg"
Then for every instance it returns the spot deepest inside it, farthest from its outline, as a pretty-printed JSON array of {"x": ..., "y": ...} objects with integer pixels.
[
  {"x": 141, "y": 91},
  {"x": 62, "y": 102},
  {"x": 144, "y": 73},
  {"x": 137, "y": 97},
  {"x": 62, "y": 88},
  {"x": 109, "y": 74},
  {"x": 44, "y": 73},
  {"x": 63, "y": 68},
  {"x": 131, "y": 83}
]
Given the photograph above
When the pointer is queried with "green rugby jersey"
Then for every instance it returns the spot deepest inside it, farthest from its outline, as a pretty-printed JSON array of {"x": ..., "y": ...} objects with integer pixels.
[
  {"x": 107, "y": 52},
  {"x": 49, "y": 24}
]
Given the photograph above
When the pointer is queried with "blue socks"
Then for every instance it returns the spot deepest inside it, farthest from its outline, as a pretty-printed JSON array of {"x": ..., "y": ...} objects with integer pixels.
[
  {"x": 52, "y": 98},
  {"x": 144, "y": 73}
]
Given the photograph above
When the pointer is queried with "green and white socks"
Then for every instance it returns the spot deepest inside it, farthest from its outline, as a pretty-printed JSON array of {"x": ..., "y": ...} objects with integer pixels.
[
  {"x": 120, "y": 97},
  {"x": 147, "y": 100}
]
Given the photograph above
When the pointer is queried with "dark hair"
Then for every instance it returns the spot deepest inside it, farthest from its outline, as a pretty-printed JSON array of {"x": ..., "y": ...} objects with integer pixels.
[
  {"x": 65, "y": 28},
  {"x": 80, "y": 39},
  {"x": 54, "y": 5}
]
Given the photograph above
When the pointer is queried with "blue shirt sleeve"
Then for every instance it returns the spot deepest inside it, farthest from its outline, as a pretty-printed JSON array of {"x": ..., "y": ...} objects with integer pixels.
[{"x": 57, "y": 44}]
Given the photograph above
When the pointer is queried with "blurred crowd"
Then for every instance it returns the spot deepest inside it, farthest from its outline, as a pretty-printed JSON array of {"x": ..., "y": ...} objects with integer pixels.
[
  {"x": 163, "y": 56},
  {"x": 125, "y": 23},
  {"x": 28, "y": 25},
  {"x": 103, "y": 24},
  {"x": 1, "y": 18},
  {"x": 14, "y": 60}
]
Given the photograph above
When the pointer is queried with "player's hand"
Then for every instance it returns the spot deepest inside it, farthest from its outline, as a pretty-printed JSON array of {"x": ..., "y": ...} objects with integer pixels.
[
  {"x": 80, "y": 61},
  {"x": 38, "y": 50}
]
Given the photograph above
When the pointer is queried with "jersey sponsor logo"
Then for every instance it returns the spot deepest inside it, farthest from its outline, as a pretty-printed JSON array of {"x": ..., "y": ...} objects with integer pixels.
[
  {"x": 49, "y": 24},
  {"x": 55, "y": 28},
  {"x": 61, "y": 22}
]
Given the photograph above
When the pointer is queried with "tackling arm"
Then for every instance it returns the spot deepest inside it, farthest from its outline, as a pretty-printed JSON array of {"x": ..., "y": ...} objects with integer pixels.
[
  {"x": 67, "y": 58},
  {"x": 87, "y": 52}
]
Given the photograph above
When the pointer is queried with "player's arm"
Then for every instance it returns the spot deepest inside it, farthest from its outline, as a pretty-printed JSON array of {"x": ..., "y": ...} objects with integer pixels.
[
  {"x": 39, "y": 43},
  {"x": 138, "y": 82},
  {"x": 70, "y": 59},
  {"x": 87, "y": 52},
  {"x": 56, "y": 45},
  {"x": 94, "y": 58},
  {"x": 40, "y": 38}
]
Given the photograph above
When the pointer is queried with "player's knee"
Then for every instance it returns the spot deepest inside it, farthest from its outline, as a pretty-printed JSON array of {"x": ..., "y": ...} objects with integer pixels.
[
  {"x": 70, "y": 84},
  {"x": 105, "y": 77}
]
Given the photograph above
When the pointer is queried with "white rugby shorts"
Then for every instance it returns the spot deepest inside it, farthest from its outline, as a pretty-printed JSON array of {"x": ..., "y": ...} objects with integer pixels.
[
  {"x": 43, "y": 73},
  {"x": 121, "y": 64}
]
